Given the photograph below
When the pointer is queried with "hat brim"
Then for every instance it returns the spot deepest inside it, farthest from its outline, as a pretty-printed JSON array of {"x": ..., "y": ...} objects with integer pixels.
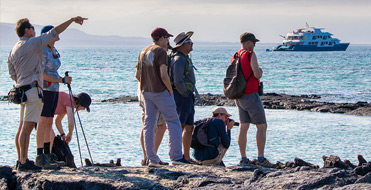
[
  {"x": 229, "y": 115},
  {"x": 189, "y": 35}
]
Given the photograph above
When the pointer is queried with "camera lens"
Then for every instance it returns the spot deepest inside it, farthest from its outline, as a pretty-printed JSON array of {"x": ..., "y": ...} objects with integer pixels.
[{"x": 236, "y": 124}]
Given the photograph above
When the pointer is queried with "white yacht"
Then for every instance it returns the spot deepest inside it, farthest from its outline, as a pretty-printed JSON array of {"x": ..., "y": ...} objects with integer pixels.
[{"x": 310, "y": 39}]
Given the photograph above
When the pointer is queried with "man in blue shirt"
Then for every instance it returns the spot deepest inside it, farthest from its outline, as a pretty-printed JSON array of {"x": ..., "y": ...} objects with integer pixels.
[{"x": 219, "y": 138}]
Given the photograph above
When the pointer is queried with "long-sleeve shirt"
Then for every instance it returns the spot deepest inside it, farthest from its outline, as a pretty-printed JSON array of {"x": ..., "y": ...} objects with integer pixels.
[
  {"x": 182, "y": 73},
  {"x": 25, "y": 59},
  {"x": 220, "y": 135}
]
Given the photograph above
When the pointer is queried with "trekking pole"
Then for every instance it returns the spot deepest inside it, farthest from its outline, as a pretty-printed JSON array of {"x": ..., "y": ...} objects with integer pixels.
[
  {"x": 82, "y": 129},
  {"x": 86, "y": 142},
  {"x": 74, "y": 121}
]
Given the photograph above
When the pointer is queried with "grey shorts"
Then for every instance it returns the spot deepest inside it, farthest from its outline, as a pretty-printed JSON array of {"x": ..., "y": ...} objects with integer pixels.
[{"x": 250, "y": 109}]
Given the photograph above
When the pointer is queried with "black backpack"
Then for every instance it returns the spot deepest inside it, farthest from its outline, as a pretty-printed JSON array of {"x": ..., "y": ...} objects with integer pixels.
[
  {"x": 234, "y": 82},
  {"x": 199, "y": 136},
  {"x": 63, "y": 152}
]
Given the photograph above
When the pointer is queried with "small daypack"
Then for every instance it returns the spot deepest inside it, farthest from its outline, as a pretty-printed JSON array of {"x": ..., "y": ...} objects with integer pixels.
[
  {"x": 234, "y": 82},
  {"x": 199, "y": 136},
  {"x": 63, "y": 152}
]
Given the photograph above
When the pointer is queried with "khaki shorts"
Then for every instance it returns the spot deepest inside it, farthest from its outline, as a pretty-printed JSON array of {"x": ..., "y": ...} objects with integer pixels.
[
  {"x": 217, "y": 159},
  {"x": 31, "y": 109},
  {"x": 250, "y": 109}
]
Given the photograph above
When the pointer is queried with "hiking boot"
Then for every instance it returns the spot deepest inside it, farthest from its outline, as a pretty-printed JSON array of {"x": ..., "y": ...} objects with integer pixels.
[
  {"x": 180, "y": 162},
  {"x": 244, "y": 163},
  {"x": 265, "y": 164},
  {"x": 43, "y": 161},
  {"x": 54, "y": 160},
  {"x": 28, "y": 166}
]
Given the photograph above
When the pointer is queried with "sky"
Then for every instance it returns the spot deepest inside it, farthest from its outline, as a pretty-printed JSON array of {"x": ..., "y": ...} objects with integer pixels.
[{"x": 211, "y": 20}]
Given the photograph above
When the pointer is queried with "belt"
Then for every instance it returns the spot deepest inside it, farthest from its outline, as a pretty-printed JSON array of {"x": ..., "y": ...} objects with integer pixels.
[{"x": 28, "y": 87}]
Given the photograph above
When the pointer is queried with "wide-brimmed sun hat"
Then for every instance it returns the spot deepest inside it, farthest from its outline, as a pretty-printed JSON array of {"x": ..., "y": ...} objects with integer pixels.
[
  {"x": 181, "y": 38},
  {"x": 218, "y": 110}
]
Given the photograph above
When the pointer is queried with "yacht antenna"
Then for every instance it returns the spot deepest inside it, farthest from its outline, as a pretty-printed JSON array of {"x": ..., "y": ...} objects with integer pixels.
[{"x": 306, "y": 24}]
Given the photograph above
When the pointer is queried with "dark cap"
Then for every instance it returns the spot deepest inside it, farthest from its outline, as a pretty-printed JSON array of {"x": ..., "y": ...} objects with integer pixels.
[
  {"x": 46, "y": 29},
  {"x": 84, "y": 100},
  {"x": 248, "y": 37},
  {"x": 159, "y": 32}
]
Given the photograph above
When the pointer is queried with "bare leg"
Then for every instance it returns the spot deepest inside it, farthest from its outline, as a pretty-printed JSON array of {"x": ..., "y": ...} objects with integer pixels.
[
  {"x": 52, "y": 136},
  {"x": 160, "y": 131},
  {"x": 242, "y": 138},
  {"x": 24, "y": 140},
  {"x": 261, "y": 138},
  {"x": 47, "y": 128},
  {"x": 41, "y": 126},
  {"x": 142, "y": 145},
  {"x": 187, "y": 139},
  {"x": 17, "y": 135}
]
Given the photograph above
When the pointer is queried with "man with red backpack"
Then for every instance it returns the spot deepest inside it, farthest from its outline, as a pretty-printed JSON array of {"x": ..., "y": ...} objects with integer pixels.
[{"x": 250, "y": 107}]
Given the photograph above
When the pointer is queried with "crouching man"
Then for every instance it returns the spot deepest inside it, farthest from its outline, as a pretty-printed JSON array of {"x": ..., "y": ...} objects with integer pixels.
[{"x": 218, "y": 134}]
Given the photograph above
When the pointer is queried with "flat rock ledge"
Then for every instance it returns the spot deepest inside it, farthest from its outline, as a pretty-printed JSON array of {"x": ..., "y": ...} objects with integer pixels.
[
  {"x": 336, "y": 174},
  {"x": 281, "y": 101}
]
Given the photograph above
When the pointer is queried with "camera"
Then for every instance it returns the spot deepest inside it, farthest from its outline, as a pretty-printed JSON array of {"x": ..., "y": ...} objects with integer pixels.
[{"x": 235, "y": 123}]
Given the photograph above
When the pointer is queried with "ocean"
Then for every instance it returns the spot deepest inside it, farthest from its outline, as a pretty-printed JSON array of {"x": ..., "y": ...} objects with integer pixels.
[{"x": 112, "y": 129}]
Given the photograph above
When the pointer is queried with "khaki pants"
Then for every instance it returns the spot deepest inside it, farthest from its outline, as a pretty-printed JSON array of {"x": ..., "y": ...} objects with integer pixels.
[{"x": 217, "y": 159}]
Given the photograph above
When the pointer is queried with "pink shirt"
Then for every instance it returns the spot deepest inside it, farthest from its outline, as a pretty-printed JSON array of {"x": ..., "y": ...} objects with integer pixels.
[{"x": 63, "y": 102}]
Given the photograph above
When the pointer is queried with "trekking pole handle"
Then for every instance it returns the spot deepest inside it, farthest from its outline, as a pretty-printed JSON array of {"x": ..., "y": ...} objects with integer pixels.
[{"x": 68, "y": 85}]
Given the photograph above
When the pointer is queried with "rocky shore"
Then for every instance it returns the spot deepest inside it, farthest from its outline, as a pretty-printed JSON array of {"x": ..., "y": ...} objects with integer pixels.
[
  {"x": 335, "y": 174},
  {"x": 282, "y": 101},
  {"x": 275, "y": 101}
]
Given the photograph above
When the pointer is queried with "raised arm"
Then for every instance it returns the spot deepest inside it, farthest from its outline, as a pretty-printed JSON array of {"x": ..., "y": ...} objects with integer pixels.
[{"x": 79, "y": 20}]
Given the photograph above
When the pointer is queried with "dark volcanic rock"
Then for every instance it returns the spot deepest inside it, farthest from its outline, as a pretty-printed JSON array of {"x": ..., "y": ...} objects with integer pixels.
[
  {"x": 281, "y": 101},
  {"x": 251, "y": 176}
]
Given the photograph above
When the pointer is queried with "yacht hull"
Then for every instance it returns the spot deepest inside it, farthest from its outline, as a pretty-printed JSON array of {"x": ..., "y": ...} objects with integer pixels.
[{"x": 337, "y": 47}]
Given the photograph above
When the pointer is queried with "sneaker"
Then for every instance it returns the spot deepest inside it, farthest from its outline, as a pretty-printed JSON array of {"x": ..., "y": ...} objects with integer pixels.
[
  {"x": 28, "y": 166},
  {"x": 180, "y": 162},
  {"x": 160, "y": 164},
  {"x": 43, "y": 161},
  {"x": 266, "y": 164},
  {"x": 244, "y": 163}
]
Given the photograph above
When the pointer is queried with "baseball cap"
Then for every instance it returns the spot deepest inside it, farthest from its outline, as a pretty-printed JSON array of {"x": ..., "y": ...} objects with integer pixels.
[
  {"x": 84, "y": 100},
  {"x": 159, "y": 32},
  {"x": 247, "y": 36}
]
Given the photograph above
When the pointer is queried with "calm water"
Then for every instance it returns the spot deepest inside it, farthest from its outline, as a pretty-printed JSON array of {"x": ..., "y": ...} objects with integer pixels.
[{"x": 112, "y": 129}]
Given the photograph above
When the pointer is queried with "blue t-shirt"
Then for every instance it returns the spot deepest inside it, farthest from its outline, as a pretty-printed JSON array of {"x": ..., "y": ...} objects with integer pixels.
[
  {"x": 216, "y": 129},
  {"x": 50, "y": 67}
]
